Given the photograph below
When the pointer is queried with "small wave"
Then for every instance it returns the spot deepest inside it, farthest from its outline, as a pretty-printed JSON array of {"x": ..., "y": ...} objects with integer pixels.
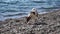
[
  {"x": 50, "y": 8},
  {"x": 9, "y": 11},
  {"x": 15, "y": 14},
  {"x": 39, "y": 1},
  {"x": 10, "y": 2}
]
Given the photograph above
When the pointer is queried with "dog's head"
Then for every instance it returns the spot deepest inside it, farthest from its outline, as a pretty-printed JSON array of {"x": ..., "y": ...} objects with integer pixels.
[{"x": 34, "y": 10}]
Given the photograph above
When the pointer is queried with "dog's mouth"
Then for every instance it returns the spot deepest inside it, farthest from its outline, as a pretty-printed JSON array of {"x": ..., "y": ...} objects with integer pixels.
[{"x": 33, "y": 13}]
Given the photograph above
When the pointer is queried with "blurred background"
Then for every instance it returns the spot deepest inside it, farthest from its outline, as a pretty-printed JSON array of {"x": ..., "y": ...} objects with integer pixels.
[{"x": 20, "y": 8}]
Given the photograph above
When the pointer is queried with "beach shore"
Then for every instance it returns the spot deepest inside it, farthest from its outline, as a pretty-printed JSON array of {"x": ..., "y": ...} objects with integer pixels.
[{"x": 48, "y": 23}]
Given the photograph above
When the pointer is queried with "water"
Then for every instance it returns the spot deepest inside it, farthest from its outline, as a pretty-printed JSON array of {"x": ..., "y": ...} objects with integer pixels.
[{"x": 20, "y": 8}]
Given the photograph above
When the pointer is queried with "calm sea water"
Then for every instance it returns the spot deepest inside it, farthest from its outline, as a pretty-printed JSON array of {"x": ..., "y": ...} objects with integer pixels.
[{"x": 20, "y": 8}]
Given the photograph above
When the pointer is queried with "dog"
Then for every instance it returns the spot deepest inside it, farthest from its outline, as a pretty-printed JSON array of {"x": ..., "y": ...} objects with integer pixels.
[{"x": 32, "y": 15}]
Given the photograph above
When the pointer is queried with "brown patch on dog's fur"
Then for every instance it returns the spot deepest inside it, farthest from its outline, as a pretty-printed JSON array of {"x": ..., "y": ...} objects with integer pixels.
[{"x": 28, "y": 18}]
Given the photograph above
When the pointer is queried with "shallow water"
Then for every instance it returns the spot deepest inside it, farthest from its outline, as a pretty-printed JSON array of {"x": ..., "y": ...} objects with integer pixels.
[{"x": 20, "y": 8}]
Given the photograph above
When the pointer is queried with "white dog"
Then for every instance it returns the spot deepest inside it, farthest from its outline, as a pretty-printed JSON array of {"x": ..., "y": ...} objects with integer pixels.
[{"x": 32, "y": 15}]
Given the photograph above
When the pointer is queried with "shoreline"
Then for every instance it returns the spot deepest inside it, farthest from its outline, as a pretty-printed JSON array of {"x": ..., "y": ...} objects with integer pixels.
[
  {"x": 4, "y": 18},
  {"x": 25, "y": 15}
]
